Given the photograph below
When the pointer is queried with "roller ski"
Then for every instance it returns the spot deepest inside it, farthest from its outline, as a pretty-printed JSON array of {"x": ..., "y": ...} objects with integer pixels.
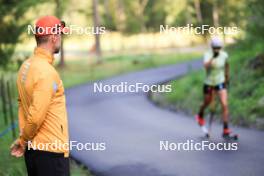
[{"x": 229, "y": 136}]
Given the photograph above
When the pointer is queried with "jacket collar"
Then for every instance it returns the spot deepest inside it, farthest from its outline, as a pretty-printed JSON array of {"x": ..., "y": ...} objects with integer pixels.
[{"x": 44, "y": 54}]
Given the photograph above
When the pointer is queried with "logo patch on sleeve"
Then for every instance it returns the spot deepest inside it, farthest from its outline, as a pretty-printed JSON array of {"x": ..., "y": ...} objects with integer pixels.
[{"x": 55, "y": 86}]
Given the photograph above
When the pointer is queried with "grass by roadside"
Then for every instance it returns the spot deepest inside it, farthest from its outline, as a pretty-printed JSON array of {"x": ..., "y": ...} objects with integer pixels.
[
  {"x": 246, "y": 93},
  {"x": 78, "y": 169},
  {"x": 9, "y": 166},
  {"x": 78, "y": 72}
]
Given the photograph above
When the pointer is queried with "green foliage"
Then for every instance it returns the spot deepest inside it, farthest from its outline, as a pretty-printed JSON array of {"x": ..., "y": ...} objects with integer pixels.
[
  {"x": 256, "y": 22},
  {"x": 12, "y": 26},
  {"x": 155, "y": 15},
  {"x": 6, "y": 52},
  {"x": 127, "y": 16}
]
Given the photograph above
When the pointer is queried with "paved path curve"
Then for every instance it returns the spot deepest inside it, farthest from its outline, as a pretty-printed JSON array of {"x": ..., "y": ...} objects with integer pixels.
[{"x": 132, "y": 128}]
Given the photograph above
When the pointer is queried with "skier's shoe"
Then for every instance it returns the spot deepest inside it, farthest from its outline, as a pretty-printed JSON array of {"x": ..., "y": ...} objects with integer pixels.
[
  {"x": 201, "y": 123},
  {"x": 228, "y": 135},
  {"x": 200, "y": 120}
]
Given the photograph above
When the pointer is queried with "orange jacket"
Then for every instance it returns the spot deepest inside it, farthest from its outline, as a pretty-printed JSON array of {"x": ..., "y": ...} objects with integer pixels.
[{"x": 42, "y": 109}]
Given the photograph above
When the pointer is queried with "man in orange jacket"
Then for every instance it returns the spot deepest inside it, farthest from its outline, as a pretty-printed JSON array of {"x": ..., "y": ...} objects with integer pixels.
[{"x": 42, "y": 111}]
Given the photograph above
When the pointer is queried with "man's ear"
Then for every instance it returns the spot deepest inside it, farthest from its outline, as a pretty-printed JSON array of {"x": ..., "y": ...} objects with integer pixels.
[{"x": 53, "y": 38}]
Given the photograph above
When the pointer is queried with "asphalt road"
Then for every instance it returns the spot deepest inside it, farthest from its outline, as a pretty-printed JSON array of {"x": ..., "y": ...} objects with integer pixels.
[{"x": 132, "y": 127}]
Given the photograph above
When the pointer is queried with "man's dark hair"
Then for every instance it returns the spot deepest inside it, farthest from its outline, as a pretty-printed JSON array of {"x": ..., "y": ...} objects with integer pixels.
[{"x": 41, "y": 39}]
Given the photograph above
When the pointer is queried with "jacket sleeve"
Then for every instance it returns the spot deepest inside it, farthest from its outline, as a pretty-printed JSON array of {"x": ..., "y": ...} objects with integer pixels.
[
  {"x": 41, "y": 99},
  {"x": 21, "y": 116}
]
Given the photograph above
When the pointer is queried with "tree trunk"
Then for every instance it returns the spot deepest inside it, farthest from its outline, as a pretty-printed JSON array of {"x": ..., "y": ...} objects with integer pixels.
[
  {"x": 215, "y": 14},
  {"x": 97, "y": 35},
  {"x": 188, "y": 17},
  {"x": 140, "y": 10},
  {"x": 120, "y": 16},
  {"x": 62, "y": 61},
  {"x": 59, "y": 12},
  {"x": 198, "y": 11}
]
